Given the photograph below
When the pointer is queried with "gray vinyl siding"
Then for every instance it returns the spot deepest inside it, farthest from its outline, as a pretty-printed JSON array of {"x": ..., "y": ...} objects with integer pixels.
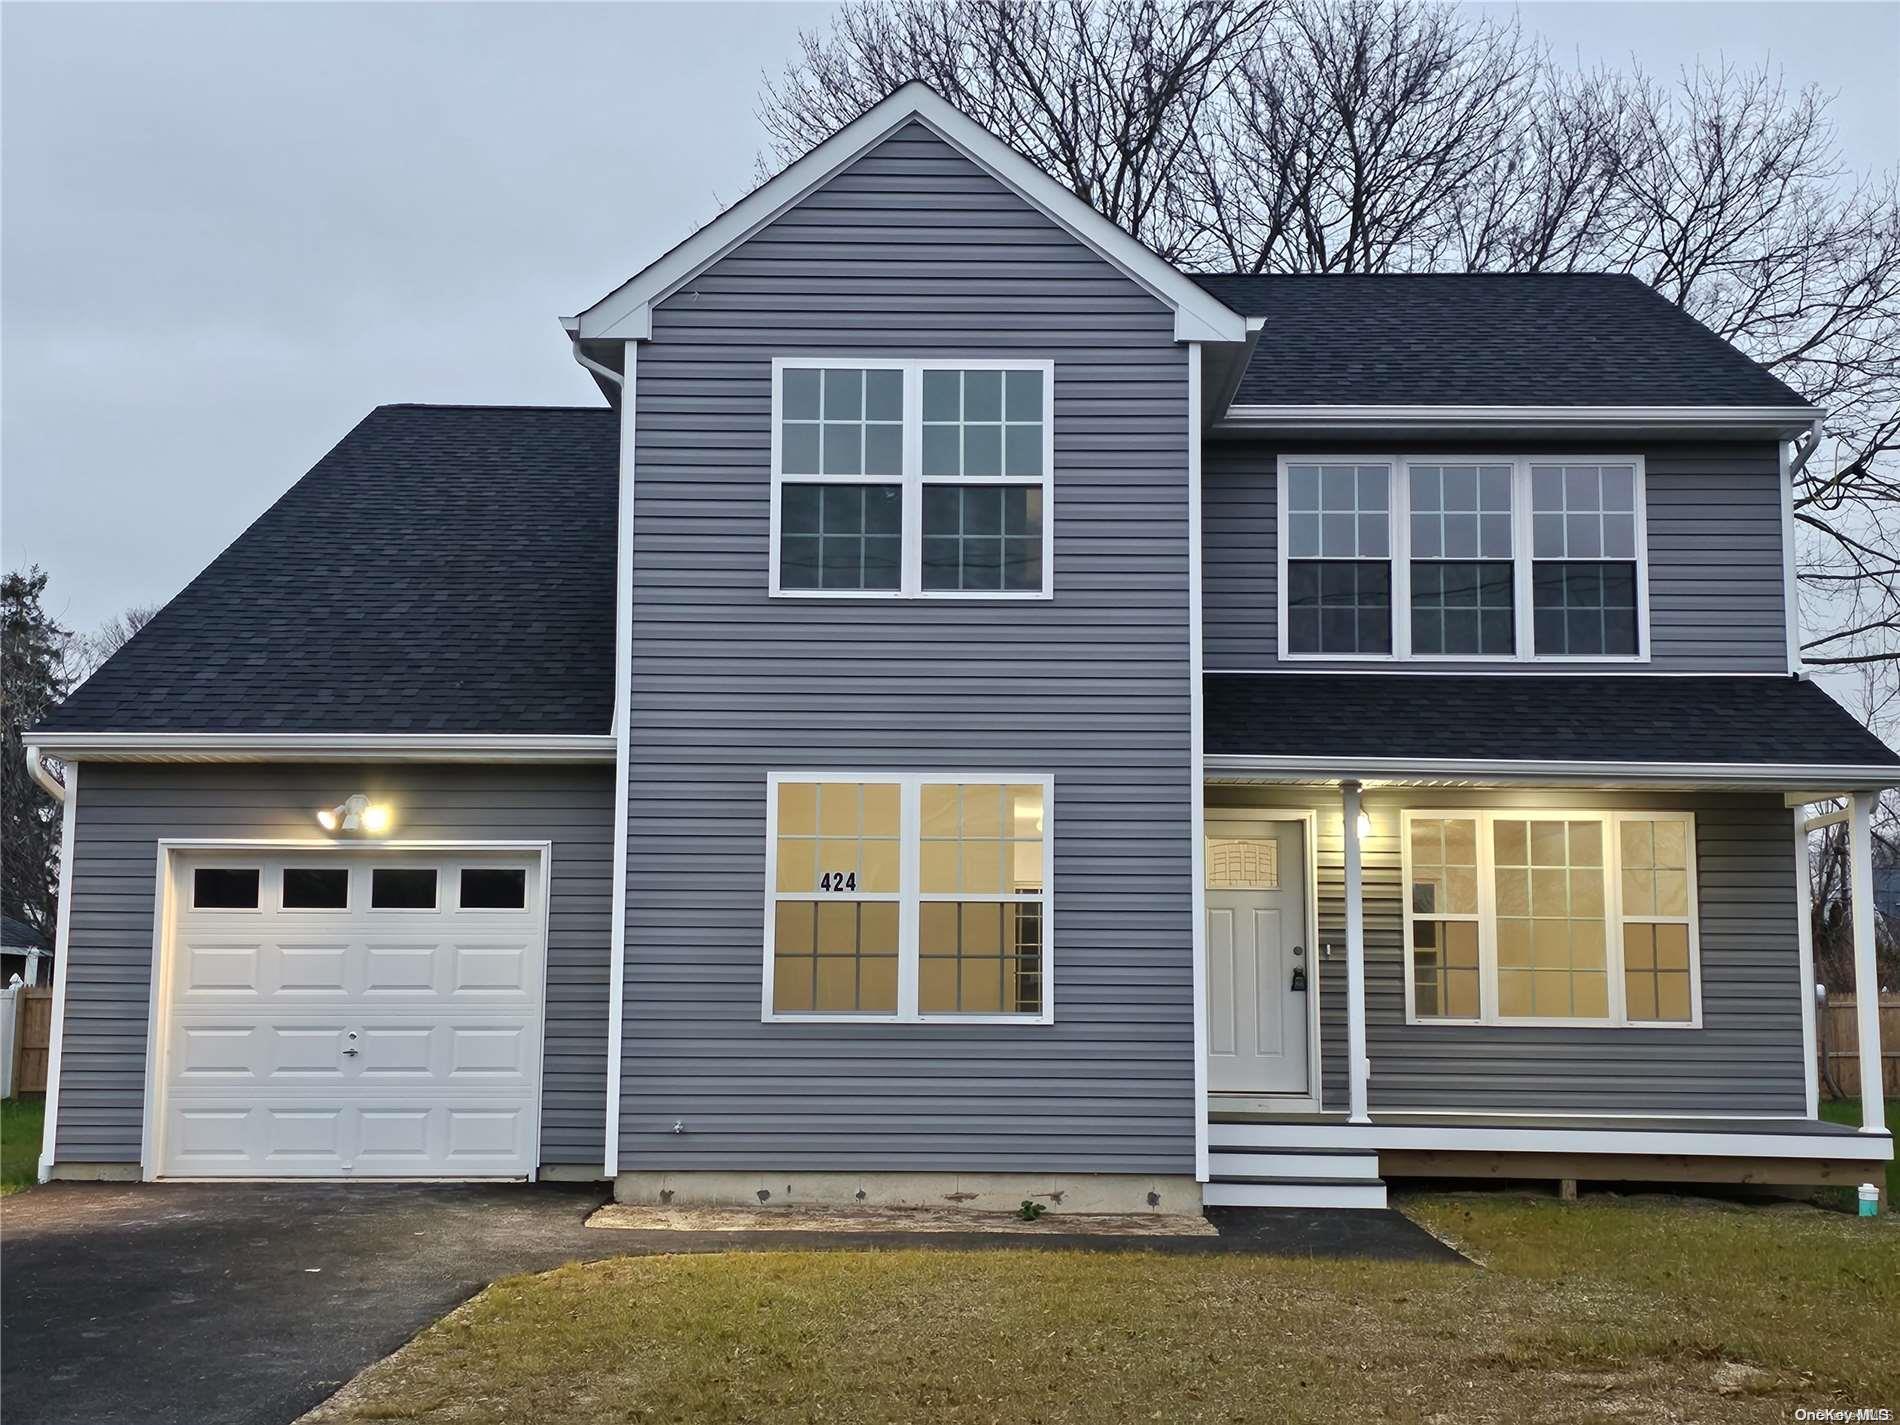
[
  {"x": 1715, "y": 589},
  {"x": 911, "y": 251},
  {"x": 1744, "y": 1059},
  {"x": 122, "y": 812}
]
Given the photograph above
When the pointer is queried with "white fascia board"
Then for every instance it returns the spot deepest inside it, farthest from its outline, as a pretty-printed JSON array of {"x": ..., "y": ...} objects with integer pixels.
[
  {"x": 627, "y": 312},
  {"x": 1766, "y": 420},
  {"x": 326, "y": 747},
  {"x": 1507, "y": 771}
]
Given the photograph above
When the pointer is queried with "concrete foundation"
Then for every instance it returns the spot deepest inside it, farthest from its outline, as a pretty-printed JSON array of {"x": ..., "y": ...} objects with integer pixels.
[
  {"x": 95, "y": 1172},
  {"x": 985, "y": 1192},
  {"x": 572, "y": 1173}
]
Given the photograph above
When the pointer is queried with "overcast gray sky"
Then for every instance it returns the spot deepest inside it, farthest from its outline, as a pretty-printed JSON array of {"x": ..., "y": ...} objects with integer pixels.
[{"x": 226, "y": 232}]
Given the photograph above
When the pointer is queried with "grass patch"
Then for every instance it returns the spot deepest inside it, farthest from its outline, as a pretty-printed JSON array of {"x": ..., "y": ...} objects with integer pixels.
[
  {"x": 1607, "y": 1309},
  {"x": 20, "y": 1122},
  {"x": 1847, "y": 1110}
]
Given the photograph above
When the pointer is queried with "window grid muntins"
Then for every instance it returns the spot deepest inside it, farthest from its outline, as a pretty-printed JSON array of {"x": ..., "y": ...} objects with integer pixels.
[
  {"x": 1552, "y": 950},
  {"x": 1583, "y": 544},
  {"x": 1462, "y": 574},
  {"x": 1519, "y": 558},
  {"x": 1657, "y": 978},
  {"x": 912, "y": 478},
  {"x": 1443, "y": 886},
  {"x": 1339, "y": 578},
  {"x": 945, "y": 877},
  {"x": 1584, "y": 917}
]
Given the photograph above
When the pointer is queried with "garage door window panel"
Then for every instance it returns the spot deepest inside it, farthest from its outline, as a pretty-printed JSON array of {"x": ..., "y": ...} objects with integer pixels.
[
  {"x": 493, "y": 888},
  {"x": 225, "y": 888},
  {"x": 316, "y": 888},
  {"x": 402, "y": 888}
]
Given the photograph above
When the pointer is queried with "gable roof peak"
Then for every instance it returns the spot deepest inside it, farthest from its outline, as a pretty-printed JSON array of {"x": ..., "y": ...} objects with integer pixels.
[{"x": 626, "y": 313}]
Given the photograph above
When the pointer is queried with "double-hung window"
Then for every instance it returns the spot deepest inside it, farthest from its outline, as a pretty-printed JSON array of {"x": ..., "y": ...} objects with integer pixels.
[
  {"x": 906, "y": 897},
  {"x": 1558, "y": 917},
  {"x": 926, "y": 479},
  {"x": 1583, "y": 549},
  {"x": 1339, "y": 569},
  {"x": 1439, "y": 558}
]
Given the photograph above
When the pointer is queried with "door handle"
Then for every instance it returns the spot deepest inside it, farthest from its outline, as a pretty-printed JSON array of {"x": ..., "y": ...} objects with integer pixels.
[
  {"x": 351, "y": 1052},
  {"x": 1299, "y": 971}
]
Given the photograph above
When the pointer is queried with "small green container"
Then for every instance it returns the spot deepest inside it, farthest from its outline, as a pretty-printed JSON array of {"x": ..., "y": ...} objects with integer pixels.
[{"x": 1869, "y": 1200}]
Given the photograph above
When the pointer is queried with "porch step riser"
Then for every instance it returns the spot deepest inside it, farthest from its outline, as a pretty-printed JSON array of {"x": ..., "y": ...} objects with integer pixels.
[
  {"x": 1283, "y": 1136},
  {"x": 1293, "y": 1194},
  {"x": 1267, "y": 1163}
]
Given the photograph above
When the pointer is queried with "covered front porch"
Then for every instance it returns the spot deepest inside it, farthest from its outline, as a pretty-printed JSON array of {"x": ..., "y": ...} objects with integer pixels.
[{"x": 1519, "y": 967}]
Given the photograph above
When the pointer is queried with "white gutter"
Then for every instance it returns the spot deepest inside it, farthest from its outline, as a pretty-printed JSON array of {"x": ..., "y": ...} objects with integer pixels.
[
  {"x": 1791, "y": 419},
  {"x": 42, "y": 774},
  {"x": 1758, "y": 774},
  {"x": 325, "y": 747}
]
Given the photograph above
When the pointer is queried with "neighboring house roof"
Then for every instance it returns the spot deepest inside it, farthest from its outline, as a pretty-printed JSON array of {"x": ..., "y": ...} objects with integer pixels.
[
  {"x": 1536, "y": 718},
  {"x": 626, "y": 312},
  {"x": 444, "y": 569},
  {"x": 16, "y": 936},
  {"x": 1484, "y": 339}
]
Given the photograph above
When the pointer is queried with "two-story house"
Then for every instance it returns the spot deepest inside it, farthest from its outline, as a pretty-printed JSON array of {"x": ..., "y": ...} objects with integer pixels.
[{"x": 981, "y": 713}]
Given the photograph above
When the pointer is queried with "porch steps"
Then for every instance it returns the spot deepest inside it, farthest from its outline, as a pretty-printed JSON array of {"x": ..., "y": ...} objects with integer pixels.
[{"x": 1292, "y": 1177}]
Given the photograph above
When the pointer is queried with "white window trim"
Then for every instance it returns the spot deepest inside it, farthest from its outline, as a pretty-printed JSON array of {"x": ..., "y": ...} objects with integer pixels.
[
  {"x": 1400, "y": 514},
  {"x": 912, "y": 481},
  {"x": 909, "y": 897},
  {"x": 1613, "y": 917}
]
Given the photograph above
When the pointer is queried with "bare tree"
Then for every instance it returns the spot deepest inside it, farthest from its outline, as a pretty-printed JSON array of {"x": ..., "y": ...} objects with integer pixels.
[
  {"x": 1398, "y": 135},
  {"x": 1103, "y": 96},
  {"x": 87, "y": 652}
]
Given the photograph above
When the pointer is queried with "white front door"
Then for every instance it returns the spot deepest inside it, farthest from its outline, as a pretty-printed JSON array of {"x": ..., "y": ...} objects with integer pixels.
[
  {"x": 352, "y": 1013},
  {"x": 1259, "y": 962}
]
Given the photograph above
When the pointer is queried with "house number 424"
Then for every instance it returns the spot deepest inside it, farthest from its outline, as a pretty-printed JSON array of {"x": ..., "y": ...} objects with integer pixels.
[{"x": 838, "y": 881}]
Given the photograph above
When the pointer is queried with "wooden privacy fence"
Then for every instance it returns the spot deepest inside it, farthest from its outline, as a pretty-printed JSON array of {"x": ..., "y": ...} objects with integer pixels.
[
  {"x": 1837, "y": 1029},
  {"x": 31, "y": 1040}
]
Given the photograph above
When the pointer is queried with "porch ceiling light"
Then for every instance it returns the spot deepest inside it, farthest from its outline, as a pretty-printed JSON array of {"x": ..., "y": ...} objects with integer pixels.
[{"x": 357, "y": 813}]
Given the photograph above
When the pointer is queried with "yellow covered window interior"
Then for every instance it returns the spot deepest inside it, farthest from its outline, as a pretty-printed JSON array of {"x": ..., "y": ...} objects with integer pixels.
[
  {"x": 1534, "y": 917},
  {"x": 908, "y": 897}
]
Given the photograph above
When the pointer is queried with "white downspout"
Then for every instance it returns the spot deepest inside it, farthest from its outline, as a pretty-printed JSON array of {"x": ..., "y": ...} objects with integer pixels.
[
  {"x": 36, "y": 766},
  {"x": 1794, "y": 459},
  {"x": 62, "y": 934},
  {"x": 623, "y": 698}
]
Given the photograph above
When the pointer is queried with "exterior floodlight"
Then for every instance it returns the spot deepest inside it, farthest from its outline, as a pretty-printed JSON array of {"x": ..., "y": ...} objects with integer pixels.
[
  {"x": 1365, "y": 826},
  {"x": 357, "y": 813}
]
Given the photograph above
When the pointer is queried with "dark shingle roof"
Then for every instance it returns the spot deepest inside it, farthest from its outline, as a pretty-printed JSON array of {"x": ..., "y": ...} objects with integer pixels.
[
  {"x": 16, "y": 934},
  {"x": 1484, "y": 339},
  {"x": 443, "y": 569},
  {"x": 1611, "y": 718}
]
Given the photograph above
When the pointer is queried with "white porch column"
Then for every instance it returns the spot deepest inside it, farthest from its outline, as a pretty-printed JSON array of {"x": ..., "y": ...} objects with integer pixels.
[
  {"x": 1357, "y": 1066},
  {"x": 1804, "y": 946},
  {"x": 1860, "y": 875}
]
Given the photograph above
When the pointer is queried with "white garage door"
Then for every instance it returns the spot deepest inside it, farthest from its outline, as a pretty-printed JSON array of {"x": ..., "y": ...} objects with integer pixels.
[{"x": 352, "y": 1014}]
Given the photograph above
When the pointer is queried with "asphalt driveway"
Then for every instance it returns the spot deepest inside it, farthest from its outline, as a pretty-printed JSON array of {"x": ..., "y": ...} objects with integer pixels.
[{"x": 249, "y": 1304}]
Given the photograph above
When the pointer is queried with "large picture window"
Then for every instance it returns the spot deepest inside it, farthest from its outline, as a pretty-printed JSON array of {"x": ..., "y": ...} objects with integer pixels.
[
  {"x": 1433, "y": 558},
  {"x": 926, "y": 479},
  {"x": 1536, "y": 917},
  {"x": 908, "y": 897}
]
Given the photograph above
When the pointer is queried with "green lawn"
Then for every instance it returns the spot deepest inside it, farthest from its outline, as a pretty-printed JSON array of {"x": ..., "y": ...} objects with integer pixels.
[
  {"x": 1608, "y": 1309},
  {"x": 20, "y": 1120},
  {"x": 1847, "y": 1110}
]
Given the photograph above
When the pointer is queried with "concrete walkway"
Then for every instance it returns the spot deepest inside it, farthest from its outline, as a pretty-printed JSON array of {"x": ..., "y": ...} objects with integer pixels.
[{"x": 250, "y": 1304}]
